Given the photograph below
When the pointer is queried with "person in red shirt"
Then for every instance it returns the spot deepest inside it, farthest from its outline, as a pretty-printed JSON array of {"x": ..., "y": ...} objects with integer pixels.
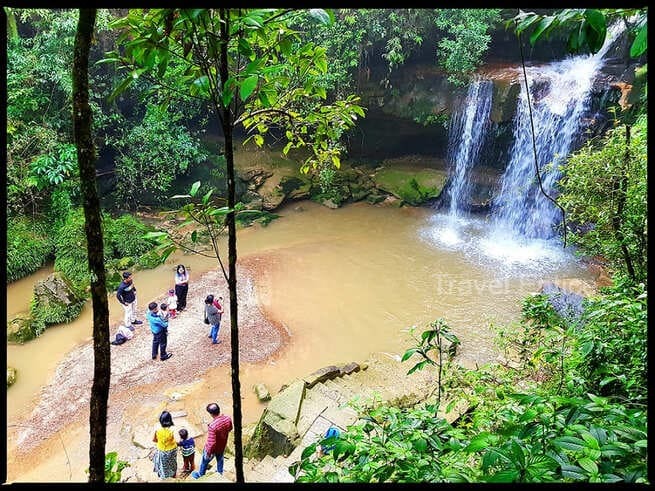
[{"x": 217, "y": 433}]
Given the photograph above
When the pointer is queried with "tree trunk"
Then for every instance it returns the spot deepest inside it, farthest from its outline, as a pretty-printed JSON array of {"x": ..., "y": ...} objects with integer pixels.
[
  {"x": 232, "y": 254},
  {"x": 620, "y": 188},
  {"x": 93, "y": 229}
]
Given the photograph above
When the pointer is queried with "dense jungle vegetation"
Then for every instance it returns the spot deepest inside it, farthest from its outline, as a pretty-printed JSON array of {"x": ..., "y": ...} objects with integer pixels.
[{"x": 575, "y": 410}]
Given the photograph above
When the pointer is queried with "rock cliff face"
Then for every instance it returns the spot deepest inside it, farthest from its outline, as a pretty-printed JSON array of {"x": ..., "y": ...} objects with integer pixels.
[{"x": 410, "y": 112}]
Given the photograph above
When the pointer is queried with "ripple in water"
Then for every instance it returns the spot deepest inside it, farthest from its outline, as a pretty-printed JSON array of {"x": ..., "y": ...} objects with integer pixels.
[{"x": 484, "y": 244}]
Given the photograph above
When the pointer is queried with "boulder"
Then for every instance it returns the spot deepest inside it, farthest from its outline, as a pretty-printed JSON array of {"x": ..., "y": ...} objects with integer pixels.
[
  {"x": 276, "y": 432},
  {"x": 273, "y": 199},
  {"x": 55, "y": 301},
  {"x": 330, "y": 204},
  {"x": 504, "y": 99},
  {"x": 274, "y": 435},
  {"x": 11, "y": 376},
  {"x": 254, "y": 178},
  {"x": 295, "y": 187},
  {"x": 567, "y": 303},
  {"x": 287, "y": 402},
  {"x": 252, "y": 200},
  {"x": 21, "y": 328},
  {"x": 262, "y": 392}
]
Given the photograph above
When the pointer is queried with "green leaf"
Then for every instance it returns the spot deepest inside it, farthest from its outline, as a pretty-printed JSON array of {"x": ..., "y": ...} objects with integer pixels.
[
  {"x": 541, "y": 28},
  {"x": 310, "y": 450},
  {"x": 419, "y": 366},
  {"x": 596, "y": 20},
  {"x": 569, "y": 443},
  {"x": 202, "y": 84},
  {"x": 589, "y": 465},
  {"x": 247, "y": 87},
  {"x": 219, "y": 211},
  {"x": 226, "y": 97},
  {"x": 154, "y": 235},
  {"x": 321, "y": 16},
  {"x": 194, "y": 236},
  {"x": 640, "y": 44},
  {"x": 194, "y": 188},
  {"x": 508, "y": 475},
  {"x": 125, "y": 83},
  {"x": 420, "y": 445},
  {"x": 482, "y": 441},
  {"x": 408, "y": 354},
  {"x": 205, "y": 198},
  {"x": 572, "y": 472}
]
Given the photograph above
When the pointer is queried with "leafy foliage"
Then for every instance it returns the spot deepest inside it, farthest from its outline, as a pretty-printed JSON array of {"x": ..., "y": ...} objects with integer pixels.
[
  {"x": 152, "y": 154},
  {"x": 548, "y": 432},
  {"x": 29, "y": 246},
  {"x": 587, "y": 27},
  {"x": 465, "y": 40},
  {"x": 604, "y": 185},
  {"x": 526, "y": 438},
  {"x": 612, "y": 353},
  {"x": 113, "y": 467},
  {"x": 124, "y": 246}
]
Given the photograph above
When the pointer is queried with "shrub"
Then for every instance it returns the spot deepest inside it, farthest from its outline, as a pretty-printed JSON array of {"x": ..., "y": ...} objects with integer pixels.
[{"x": 29, "y": 247}]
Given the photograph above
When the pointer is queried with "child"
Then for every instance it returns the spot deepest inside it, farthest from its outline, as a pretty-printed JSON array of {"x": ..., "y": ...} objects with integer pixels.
[
  {"x": 188, "y": 448},
  {"x": 163, "y": 311},
  {"x": 172, "y": 303}
]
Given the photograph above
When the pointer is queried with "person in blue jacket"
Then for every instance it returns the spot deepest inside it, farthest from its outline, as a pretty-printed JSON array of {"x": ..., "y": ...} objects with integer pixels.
[{"x": 159, "y": 328}]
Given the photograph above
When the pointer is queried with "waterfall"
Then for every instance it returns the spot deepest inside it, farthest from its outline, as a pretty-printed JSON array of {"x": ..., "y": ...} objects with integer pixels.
[
  {"x": 560, "y": 97},
  {"x": 466, "y": 135}
]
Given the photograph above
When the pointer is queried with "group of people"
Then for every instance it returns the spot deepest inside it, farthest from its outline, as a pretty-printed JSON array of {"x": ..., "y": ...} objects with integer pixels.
[
  {"x": 165, "y": 456},
  {"x": 158, "y": 315}
]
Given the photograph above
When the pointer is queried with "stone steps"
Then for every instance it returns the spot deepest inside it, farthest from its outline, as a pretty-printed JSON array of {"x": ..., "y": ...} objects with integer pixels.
[{"x": 325, "y": 404}]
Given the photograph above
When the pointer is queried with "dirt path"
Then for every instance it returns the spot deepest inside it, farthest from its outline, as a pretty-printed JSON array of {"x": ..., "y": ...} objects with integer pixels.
[{"x": 64, "y": 402}]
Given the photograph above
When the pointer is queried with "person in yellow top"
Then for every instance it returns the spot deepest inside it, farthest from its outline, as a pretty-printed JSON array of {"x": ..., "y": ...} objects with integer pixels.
[{"x": 165, "y": 458}]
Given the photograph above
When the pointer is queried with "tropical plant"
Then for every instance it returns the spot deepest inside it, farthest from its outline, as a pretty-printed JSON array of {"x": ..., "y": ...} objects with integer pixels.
[
  {"x": 604, "y": 188},
  {"x": 433, "y": 339}
]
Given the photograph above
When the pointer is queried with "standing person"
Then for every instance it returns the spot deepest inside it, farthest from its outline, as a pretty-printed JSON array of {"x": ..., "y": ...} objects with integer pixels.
[
  {"x": 126, "y": 295},
  {"x": 181, "y": 286},
  {"x": 217, "y": 433},
  {"x": 188, "y": 448},
  {"x": 172, "y": 303},
  {"x": 213, "y": 315},
  {"x": 165, "y": 459},
  {"x": 159, "y": 328}
]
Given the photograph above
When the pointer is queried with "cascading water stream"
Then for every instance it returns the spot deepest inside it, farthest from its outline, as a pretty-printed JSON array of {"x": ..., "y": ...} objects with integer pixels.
[
  {"x": 518, "y": 235},
  {"x": 467, "y": 132},
  {"x": 560, "y": 96}
]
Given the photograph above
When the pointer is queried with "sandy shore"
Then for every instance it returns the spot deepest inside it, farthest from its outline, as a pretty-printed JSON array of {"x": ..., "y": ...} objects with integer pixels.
[{"x": 136, "y": 379}]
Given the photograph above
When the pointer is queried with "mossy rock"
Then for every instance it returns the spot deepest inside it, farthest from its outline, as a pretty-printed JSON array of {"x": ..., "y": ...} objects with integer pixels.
[
  {"x": 11, "y": 376},
  {"x": 295, "y": 187},
  {"x": 21, "y": 328},
  {"x": 413, "y": 186},
  {"x": 55, "y": 301}
]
